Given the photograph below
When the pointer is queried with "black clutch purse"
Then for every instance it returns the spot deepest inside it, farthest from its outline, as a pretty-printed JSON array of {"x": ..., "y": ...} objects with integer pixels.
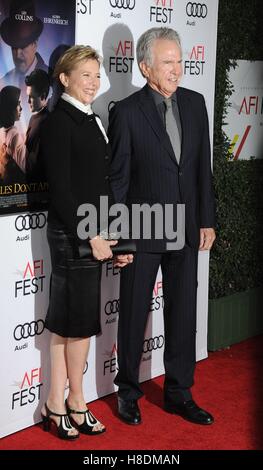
[{"x": 123, "y": 247}]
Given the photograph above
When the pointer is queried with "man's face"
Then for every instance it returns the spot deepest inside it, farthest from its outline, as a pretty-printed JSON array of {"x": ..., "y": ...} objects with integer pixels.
[
  {"x": 34, "y": 100},
  {"x": 23, "y": 58},
  {"x": 165, "y": 72}
]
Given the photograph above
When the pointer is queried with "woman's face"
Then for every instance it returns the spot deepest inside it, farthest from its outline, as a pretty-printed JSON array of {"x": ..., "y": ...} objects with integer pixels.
[
  {"x": 18, "y": 111},
  {"x": 83, "y": 81}
]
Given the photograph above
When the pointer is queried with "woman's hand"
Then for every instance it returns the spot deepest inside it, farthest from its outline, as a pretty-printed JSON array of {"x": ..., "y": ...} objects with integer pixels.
[
  {"x": 101, "y": 248},
  {"x": 121, "y": 260}
]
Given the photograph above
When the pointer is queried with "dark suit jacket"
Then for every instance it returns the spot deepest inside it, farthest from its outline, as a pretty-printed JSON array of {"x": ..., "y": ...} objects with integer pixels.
[
  {"x": 32, "y": 142},
  {"x": 144, "y": 168},
  {"x": 75, "y": 156}
]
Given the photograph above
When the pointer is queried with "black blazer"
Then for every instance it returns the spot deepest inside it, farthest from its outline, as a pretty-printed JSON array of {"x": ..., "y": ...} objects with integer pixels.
[
  {"x": 76, "y": 159},
  {"x": 144, "y": 168}
]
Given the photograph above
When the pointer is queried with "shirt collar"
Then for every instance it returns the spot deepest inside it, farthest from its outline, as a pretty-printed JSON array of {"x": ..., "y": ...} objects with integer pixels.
[
  {"x": 85, "y": 108},
  {"x": 32, "y": 66},
  {"x": 158, "y": 98}
]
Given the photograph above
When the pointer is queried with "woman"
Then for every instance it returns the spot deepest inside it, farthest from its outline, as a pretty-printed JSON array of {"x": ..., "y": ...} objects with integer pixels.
[
  {"x": 74, "y": 149},
  {"x": 12, "y": 146}
]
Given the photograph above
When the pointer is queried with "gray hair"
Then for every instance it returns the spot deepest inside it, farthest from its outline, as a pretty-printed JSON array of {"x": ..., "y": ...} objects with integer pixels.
[{"x": 146, "y": 40}]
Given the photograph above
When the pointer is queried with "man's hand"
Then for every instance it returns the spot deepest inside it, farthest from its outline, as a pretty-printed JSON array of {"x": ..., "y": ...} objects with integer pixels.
[
  {"x": 121, "y": 260},
  {"x": 207, "y": 238}
]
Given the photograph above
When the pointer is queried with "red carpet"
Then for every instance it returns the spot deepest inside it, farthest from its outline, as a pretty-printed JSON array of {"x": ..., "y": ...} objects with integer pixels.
[{"x": 229, "y": 384}]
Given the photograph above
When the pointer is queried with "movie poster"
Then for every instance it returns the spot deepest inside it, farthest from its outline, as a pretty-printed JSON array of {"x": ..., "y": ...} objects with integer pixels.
[{"x": 33, "y": 35}]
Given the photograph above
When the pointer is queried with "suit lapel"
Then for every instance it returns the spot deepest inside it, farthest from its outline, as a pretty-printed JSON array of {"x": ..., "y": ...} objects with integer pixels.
[{"x": 148, "y": 108}]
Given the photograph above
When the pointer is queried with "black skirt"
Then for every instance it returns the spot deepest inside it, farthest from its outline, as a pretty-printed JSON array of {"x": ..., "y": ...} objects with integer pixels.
[{"x": 74, "y": 303}]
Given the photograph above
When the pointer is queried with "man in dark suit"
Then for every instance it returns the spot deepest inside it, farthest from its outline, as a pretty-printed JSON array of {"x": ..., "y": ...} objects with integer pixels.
[
  {"x": 38, "y": 84},
  {"x": 161, "y": 154}
]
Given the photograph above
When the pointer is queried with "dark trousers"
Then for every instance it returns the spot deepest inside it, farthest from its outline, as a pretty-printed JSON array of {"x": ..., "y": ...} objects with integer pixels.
[{"x": 179, "y": 270}]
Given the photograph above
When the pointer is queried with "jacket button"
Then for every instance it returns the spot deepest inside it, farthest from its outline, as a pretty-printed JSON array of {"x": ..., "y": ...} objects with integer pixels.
[
  {"x": 106, "y": 178},
  {"x": 180, "y": 173},
  {"x": 107, "y": 157}
]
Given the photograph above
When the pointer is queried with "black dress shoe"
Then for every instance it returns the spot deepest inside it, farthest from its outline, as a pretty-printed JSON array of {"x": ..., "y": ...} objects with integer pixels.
[
  {"x": 191, "y": 412},
  {"x": 129, "y": 411}
]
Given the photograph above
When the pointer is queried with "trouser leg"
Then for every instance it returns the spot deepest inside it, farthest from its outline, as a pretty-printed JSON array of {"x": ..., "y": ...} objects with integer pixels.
[
  {"x": 136, "y": 286},
  {"x": 179, "y": 288}
]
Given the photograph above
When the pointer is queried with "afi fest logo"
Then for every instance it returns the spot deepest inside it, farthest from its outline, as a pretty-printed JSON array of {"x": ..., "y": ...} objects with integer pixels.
[
  {"x": 111, "y": 270},
  {"x": 84, "y": 6},
  {"x": 161, "y": 11},
  {"x": 110, "y": 365},
  {"x": 29, "y": 389},
  {"x": 196, "y": 62},
  {"x": 123, "y": 58},
  {"x": 33, "y": 279},
  {"x": 157, "y": 298},
  {"x": 250, "y": 105}
]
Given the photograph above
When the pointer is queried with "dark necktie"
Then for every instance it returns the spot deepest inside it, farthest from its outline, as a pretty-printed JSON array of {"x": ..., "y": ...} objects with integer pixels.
[{"x": 172, "y": 129}]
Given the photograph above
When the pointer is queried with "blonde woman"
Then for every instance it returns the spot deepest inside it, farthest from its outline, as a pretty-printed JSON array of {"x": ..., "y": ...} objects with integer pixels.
[{"x": 75, "y": 152}]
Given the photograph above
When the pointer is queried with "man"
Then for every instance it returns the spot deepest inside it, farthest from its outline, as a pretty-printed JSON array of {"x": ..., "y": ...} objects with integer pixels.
[
  {"x": 37, "y": 91},
  {"x": 22, "y": 35},
  {"x": 21, "y": 31},
  {"x": 166, "y": 165}
]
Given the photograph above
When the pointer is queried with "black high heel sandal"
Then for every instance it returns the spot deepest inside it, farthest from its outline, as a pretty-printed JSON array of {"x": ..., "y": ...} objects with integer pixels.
[
  {"x": 89, "y": 421},
  {"x": 64, "y": 424}
]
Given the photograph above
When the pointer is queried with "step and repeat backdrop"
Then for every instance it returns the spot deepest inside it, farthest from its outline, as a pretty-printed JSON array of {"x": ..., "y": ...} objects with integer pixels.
[
  {"x": 112, "y": 27},
  {"x": 244, "y": 113}
]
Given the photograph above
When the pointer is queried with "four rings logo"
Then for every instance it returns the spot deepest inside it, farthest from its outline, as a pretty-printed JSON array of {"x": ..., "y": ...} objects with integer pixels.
[
  {"x": 30, "y": 221},
  {"x": 125, "y": 4},
  {"x": 152, "y": 344},
  {"x": 28, "y": 330},
  {"x": 112, "y": 306},
  {"x": 196, "y": 10}
]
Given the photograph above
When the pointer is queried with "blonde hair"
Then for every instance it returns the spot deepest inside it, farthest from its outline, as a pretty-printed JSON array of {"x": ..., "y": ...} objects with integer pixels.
[{"x": 72, "y": 56}]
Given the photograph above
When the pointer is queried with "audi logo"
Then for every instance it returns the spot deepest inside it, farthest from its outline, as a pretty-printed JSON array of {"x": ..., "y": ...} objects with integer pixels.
[
  {"x": 125, "y": 4},
  {"x": 196, "y": 10},
  {"x": 152, "y": 344},
  {"x": 30, "y": 221},
  {"x": 112, "y": 306},
  {"x": 28, "y": 330}
]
